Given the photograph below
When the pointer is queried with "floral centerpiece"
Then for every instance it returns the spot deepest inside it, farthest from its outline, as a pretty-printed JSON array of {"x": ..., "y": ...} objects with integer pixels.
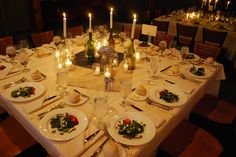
[{"x": 107, "y": 53}]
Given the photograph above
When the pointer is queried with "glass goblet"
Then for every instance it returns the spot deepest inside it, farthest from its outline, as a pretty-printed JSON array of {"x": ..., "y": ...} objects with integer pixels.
[
  {"x": 62, "y": 80},
  {"x": 24, "y": 59},
  {"x": 125, "y": 89},
  {"x": 24, "y": 46},
  {"x": 11, "y": 52},
  {"x": 154, "y": 68},
  {"x": 162, "y": 45}
]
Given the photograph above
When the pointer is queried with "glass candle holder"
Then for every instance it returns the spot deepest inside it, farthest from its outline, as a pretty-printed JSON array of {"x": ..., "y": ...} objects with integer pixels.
[
  {"x": 107, "y": 71},
  {"x": 96, "y": 69}
]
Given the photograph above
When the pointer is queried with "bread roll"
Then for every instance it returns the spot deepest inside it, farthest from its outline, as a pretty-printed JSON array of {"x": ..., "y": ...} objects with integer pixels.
[
  {"x": 141, "y": 90},
  {"x": 173, "y": 70},
  {"x": 110, "y": 149},
  {"x": 73, "y": 97},
  {"x": 36, "y": 75},
  {"x": 210, "y": 60}
]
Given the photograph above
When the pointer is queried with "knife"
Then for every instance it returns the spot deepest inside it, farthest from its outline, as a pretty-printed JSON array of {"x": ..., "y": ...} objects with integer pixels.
[
  {"x": 100, "y": 147},
  {"x": 81, "y": 93},
  {"x": 49, "y": 98},
  {"x": 166, "y": 68},
  {"x": 170, "y": 82},
  {"x": 90, "y": 137},
  {"x": 135, "y": 107},
  {"x": 43, "y": 75}
]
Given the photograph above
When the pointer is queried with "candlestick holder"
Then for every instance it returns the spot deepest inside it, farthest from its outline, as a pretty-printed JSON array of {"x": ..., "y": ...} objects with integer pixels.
[
  {"x": 109, "y": 84},
  {"x": 111, "y": 39}
]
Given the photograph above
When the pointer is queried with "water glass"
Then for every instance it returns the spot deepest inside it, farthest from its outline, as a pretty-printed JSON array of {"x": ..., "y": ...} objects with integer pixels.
[
  {"x": 184, "y": 51},
  {"x": 154, "y": 65},
  {"x": 24, "y": 59},
  {"x": 125, "y": 89},
  {"x": 163, "y": 46},
  {"x": 62, "y": 80},
  {"x": 24, "y": 46},
  {"x": 11, "y": 52}
]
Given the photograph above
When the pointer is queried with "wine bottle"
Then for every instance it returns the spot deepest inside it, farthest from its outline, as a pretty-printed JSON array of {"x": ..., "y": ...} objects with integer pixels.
[
  {"x": 111, "y": 39},
  {"x": 90, "y": 49},
  {"x": 132, "y": 55}
]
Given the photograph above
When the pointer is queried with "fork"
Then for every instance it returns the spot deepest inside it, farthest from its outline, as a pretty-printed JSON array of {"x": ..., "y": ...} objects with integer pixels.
[
  {"x": 190, "y": 79},
  {"x": 151, "y": 102},
  {"x": 60, "y": 105},
  {"x": 23, "y": 79}
]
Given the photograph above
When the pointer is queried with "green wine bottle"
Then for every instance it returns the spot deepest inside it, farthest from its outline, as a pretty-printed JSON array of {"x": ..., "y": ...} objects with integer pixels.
[
  {"x": 90, "y": 49},
  {"x": 132, "y": 55}
]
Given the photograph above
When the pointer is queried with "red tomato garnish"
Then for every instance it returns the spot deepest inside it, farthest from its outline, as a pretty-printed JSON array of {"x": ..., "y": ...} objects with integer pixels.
[
  {"x": 127, "y": 121},
  {"x": 74, "y": 119}
]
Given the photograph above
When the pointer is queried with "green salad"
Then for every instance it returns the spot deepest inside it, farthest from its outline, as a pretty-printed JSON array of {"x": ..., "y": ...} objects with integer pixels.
[
  {"x": 189, "y": 56},
  {"x": 130, "y": 128},
  {"x": 168, "y": 96},
  {"x": 63, "y": 123},
  {"x": 197, "y": 71},
  {"x": 23, "y": 92}
]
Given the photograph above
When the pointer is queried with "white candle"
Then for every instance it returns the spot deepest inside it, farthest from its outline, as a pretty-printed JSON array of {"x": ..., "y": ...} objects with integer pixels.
[
  {"x": 64, "y": 25},
  {"x": 126, "y": 67},
  {"x": 97, "y": 70},
  {"x": 133, "y": 27},
  {"x": 59, "y": 66},
  {"x": 57, "y": 54},
  {"x": 104, "y": 42},
  {"x": 227, "y": 7},
  {"x": 107, "y": 74},
  {"x": 90, "y": 22},
  {"x": 209, "y": 5},
  {"x": 114, "y": 62},
  {"x": 202, "y": 4},
  {"x": 187, "y": 15},
  {"x": 137, "y": 55},
  {"x": 215, "y": 4},
  {"x": 111, "y": 18}
]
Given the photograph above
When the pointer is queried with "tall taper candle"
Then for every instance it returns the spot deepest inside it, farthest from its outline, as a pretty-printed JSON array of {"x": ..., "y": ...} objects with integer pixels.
[
  {"x": 90, "y": 22},
  {"x": 64, "y": 25},
  {"x": 133, "y": 27},
  {"x": 111, "y": 18},
  {"x": 227, "y": 7}
]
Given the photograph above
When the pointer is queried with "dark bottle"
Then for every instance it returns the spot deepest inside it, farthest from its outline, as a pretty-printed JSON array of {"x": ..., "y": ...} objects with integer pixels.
[
  {"x": 90, "y": 49},
  {"x": 132, "y": 56},
  {"x": 111, "y": 41}
]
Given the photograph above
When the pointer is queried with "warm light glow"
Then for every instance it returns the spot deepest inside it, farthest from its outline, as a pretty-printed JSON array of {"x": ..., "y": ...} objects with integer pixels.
[
  {"x": 135, "y": 17},
  {"x": 98, "y": 45},
  {"x": 59, "y": 66},
  {"x": 104, "y": 42},
  {"x": 90, "y": 15},
  {"x": 228, "y": 2},
  {"x": 57, "y": 54},
  {"x": 137, "y": 55},
  {"x": 68, "y": 62},
  {"x": 126, "y": 67},
  {"x": 64, "y": 15},
  {"x": 111, "y": 10}
]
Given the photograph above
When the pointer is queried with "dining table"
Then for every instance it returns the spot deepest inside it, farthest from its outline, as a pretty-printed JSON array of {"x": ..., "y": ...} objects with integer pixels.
[
  {"x": 230, "y": 39},
  {"x": 189, "y": 88}
]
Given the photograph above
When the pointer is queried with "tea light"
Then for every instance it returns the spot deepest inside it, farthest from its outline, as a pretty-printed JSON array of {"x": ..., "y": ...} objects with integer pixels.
[
  {"x": 107, "y": 72},
  {"x": 59, "y": 66},
  {"x": 69, "y": 65},
  {"x": 137, "y": 55},
  {"x": 114, "y": 62},
  {"x": 57, "y": 54},
  {"x": 104, "y": 42},
  {"x": 97, "y": 70}
]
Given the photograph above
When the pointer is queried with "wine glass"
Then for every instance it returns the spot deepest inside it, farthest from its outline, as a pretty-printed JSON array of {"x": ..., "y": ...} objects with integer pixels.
[
  {"x": 184, "y": 52},
  {"x": 24, "y": 59},
  {"x": 62, "y": 80},
  {"x": 11, "y": 52},
  {"x": 162, "y": 45},
  {"x": 154, "y": 65},
  {"x": 125, "y": 89},
  {"x": 24, "y": 46}
]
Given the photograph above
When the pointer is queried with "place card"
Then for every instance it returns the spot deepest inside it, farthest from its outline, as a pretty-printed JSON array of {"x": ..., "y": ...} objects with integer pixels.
[{"x": 149, "y": 30}]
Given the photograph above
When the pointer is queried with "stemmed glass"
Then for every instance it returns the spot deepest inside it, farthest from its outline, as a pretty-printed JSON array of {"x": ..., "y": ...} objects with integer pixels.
[
  {"x": 11, "y": 52},
  {"x": 24, "y": 46},
  {"x": 125, "y": 89},
  {"x": 184, "y": 52},
  {"x": 162, "y": 45},
  {"x": 62, "y": 80},
  {"x": 24, "y": 59},
  {"x": 154, "y": 67}
]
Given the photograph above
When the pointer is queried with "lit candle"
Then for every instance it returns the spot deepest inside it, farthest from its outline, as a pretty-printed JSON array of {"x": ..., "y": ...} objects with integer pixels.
[
  {"x": 59, "y": 66},
  {"x": 68, "y": 64},
  {"x": 104, "y": 42},
  {"x": 227, "y": 7},
  {"x": 90, "y": 22},
  {"x": 187, "y": 15},
  {"x": 137, "y": 55},
  {"x": 215, "y": 4},
  {"x": 126, "y": 67},
  {"x": 97, "y": 70},
  {"x": 133, "y": 27},
  {"x": 107, "y": 73},
  {"x": 57, "y": 54},
  {"x": 111, "y": 18},
  {"x": 114, "y": 62},
  {"x": 64, "y": 25},
  {"x": 202, "y": 4}
]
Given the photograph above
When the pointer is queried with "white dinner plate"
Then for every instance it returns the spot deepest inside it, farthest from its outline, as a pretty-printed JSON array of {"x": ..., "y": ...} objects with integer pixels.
[
  {"x": 136, "y": 97},
  {"x": 121, "y": 151},
  {"x": 29, "y": 78},
  {"x": 5, "y": 71},
  {"x": 207, "y": 72},
  {"x": 39, "y": 90},
  {"x": 196, "y": 58},
  {"x": 147, "y": 135},
  {"x": 82, "y": 101},
  {"x": 155, "y": 95},
  {"x": 169, "y": 71},
  {"x": 45, "y": 126}
]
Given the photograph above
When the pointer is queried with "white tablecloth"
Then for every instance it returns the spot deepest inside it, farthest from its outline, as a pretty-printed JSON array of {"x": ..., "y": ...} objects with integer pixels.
[{"x": 70, "y": 148}]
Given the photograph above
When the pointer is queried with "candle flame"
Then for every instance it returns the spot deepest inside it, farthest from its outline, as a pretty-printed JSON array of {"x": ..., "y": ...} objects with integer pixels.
[
  {"x": 228, "y": 2},
  {"x": 90, "y": 15},
  {"x": 134, "y": 16},
  {"x": 64, "y": 15},
  {"x": 111, "y": 10}
]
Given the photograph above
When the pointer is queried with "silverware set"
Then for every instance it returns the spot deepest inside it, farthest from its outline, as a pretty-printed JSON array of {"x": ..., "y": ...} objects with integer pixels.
[
  {"x": 42, "y": 114},
  {"x": 189, "y": 78},
  {"x": 23, "y": 79},
  {"x": 151, "y": 102}
]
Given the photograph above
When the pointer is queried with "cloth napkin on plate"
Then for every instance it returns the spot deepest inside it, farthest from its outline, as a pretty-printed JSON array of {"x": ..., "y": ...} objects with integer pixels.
[
  {"x": 34, "y": 106},
  {"x": 77, "y": 147},
  {"x": 184, "y": 87},
  {"x": 157, "y": 119}
]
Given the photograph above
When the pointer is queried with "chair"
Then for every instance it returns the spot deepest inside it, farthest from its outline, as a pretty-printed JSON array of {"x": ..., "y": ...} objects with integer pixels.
[
  {"x": 146, "y": 17},
  {"x": 127, "y": 28},
  {"x": 188, "y": 140},
  {"x": 162, "y": 36},
  {"x": 162, "y": 26},
  {"x": 186, "y": 35},
  {"x": 213, "y": 37},
  {"x": 3, "y": 114},
  {"x": 4, "y": 42},
  {"x": 216, "y": 116},
  {"x": 41, "y": 38},
  {"x": 157, "y": 13},
  {"x": 78, "y": 30},
  {"x": 206, "y": 50},
  {"x": 14, "y": 138}
]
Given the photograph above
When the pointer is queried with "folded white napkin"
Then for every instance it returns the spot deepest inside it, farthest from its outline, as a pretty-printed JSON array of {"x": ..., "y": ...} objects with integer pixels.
[
  {"x": 34, "y": 106},
  {"x": 157, "y": 119},
  {"x": 77, "y": 147},
  {"x": 6, "y": 70},
  {"x": 184, "y": 87}
]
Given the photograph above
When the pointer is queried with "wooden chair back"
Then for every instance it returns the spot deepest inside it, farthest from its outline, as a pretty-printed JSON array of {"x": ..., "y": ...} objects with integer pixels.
[
  {"x": 213, "y": 37},
  {"x": 4, "y": 42},
  {"x": 186, "y": 35},
  {"x": 162, "y": 26},
  {"x": 41, "y": 38},
  {"x": 127, "y": 28},
  {"x": 206, "y": 50},
  {"x": 78, "y": 30},
  {"x": 157, "y": 13},
  {"x": 162, "y": 36}
]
